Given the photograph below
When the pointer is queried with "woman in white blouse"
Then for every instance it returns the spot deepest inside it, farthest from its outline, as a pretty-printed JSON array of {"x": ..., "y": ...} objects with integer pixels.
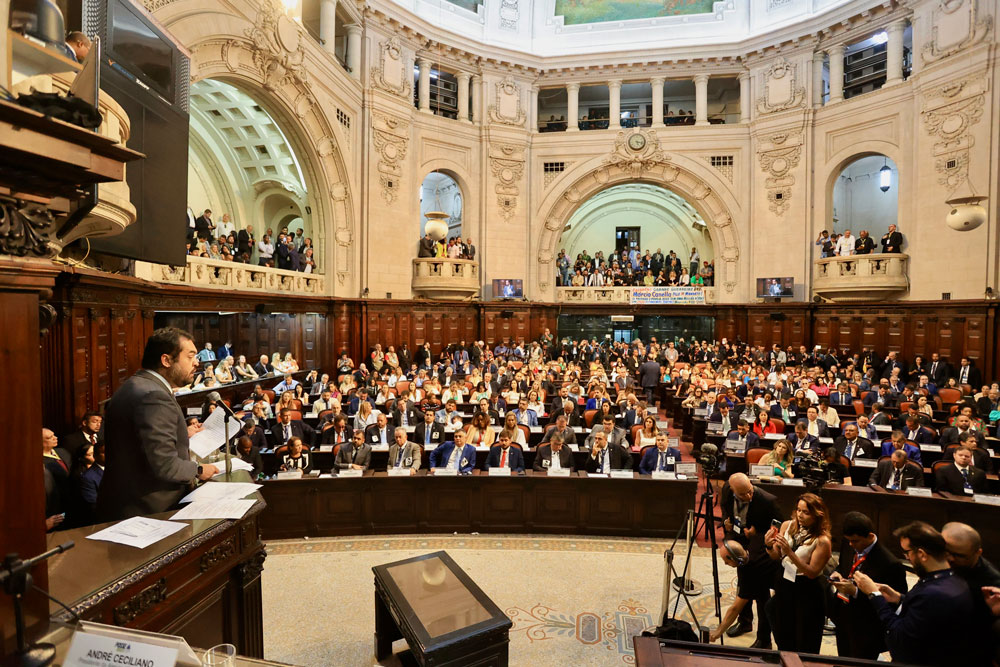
[
  {"x": 512, "y": 430},
  {"x": 647, "y": 434},
  {"x": 535, "y": 403},
  {"x": 366, "y": 416}
]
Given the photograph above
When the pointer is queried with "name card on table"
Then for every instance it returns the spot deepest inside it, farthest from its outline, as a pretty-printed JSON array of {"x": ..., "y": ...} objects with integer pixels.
[
  {"x": 774, "y": 436},
  {"x": 534, "y": 429},
  {"x": 445, "y": 472},
  {"x": 673, "y": 442},
  {"x": 986, "y": 499},
  {"x": 761, "y": 470},
  {"x": 920, "y": 491},
  {"x": 598, "y": 474},
  {"x": 326, "y": 448},
  {"x": 793, "y": 481},
  {"x": 736, "y": 447},
  {"x": 621, "y": 474},
  {"x": 700, "y": 412},
  {"x": 499, "y": 472},
  {"x": 664, "y": 474},
  {"x": 930, "y": 448},
  {"x": 561, "y": 472},
  {"x": 883, "y": 428},
  {"x": 289, "y": 474},
  {"x": 826, "y": 441},
  {"x": 714, "y": 427},
  {"x": 351, "y": 472},
  {"x": 193, "y": 411},
  {"x": 686, "y": 468},
  {"x": 380, "y": 448},
  {"x": 864, "y": 463},
  {"x": 98, "y": 651},
  {"x": 577, "y": 429},
  {"x": 399, "y": 472},
  {"x": 428, "y": 447},
  {"x": 482, "y": 448}
]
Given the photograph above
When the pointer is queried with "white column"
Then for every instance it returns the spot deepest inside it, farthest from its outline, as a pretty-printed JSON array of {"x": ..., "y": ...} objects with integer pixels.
[
  {"x": 836, "y": 54},
  {"x": 463, "y": 96},
  {"x": 657, "y": 84},
  {"x": 817, "y": 78},
  {"x": 354, "y": 49},
  {"x": 916, "y": 42},
  {"x": 572, "y": 107},
  {"x": 533, "y": 110},
  {"x": 328, "y": 24},
  {"x": 745, "y": 97},
  {"x": 701, "y": 99},
  {"x": 478, "y": 112},
  {"x": 615, "y": 88},
  {"x": 424, "y": 85},
  {"x": 894, "y": 53}
]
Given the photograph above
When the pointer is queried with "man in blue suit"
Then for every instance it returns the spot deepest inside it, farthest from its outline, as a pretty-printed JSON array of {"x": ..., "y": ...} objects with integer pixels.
[
  {"x": 524, "y": 415},
  {"x": 898, "y": 441},
  {"x": 505, "y": 456},
  {"x": 921, "y": 626},
  {"x": 842, "y": 396},
  {"x": 802, "y": 441},
  {"x": 660, "y": 457},
  {"x": 455, "y": 454},
  {"x": 742, "y": 439},
  {"x": 90, "y": 481},
  {"x": 782, "y": 410},
  {"x": 914, "y": 432}
]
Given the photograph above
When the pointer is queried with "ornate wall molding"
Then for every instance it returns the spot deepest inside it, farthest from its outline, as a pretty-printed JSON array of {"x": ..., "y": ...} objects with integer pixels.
[
  {"x": 391, "y": 137},
  {"x": 278, "y": 52},
  {"x": 507, "y": 165},
  {"x": 959, "y": 22},
  {"x": 507, "y": 108},
  {"x": 140, "y": 603},
  {"x": 949, "y": 112},
  {"x": 394, "y": 72},
  {"x": 509, "y": 14},
  {"x": 781, "y": 88},
  {"x": 636, "y": 152},
  {"x": 778, "y": 163}
]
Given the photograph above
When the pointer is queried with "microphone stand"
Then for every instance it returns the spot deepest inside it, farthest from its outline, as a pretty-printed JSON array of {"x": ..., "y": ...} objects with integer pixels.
[
  {"x": 229, "y": 415},
  {"x": 15, "y": 575}
]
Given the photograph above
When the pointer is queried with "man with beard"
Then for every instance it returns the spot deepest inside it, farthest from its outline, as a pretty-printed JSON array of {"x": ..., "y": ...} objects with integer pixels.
[
  {"x": 148, "y": 467},
  {"x": 965, "y": 552}
]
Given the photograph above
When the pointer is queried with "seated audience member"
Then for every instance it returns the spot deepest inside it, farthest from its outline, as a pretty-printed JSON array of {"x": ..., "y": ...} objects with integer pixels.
[
  {"x": 953, "y": 434},
  {"x": 802, "y": 441},
  {"x": 615, "y": 435},
  {"x": 480, "y": 433},
  {"x": 503, "y": 455},
  {"x": 828, "y": 414},
  {"x": 513, "y": 431},
  {"x": 405, "y": 412},
  {"x": 865, "y": 428},
  {"x": 404, "y": 454},
  {"x": 659, "y": 458},
  {"x": 780, "y": 459},
  {"x": 980, "y": 457},
  {"x": 965, "y": 553},
  {"x": 568, "y": 410},
  {"x": 722, "y": 416},
  {"x": 88, "y": 483},
  {"x": 430, "y": 432},
  {"x": 915, "y": 625},
  {"x": 898, "y": 441},
  {"x": 852, "y": 446},
  {"x": 858, "y": 630},
  {"x": 492, "y": 415},
  {"x": 836, "y": 471},
  {"x": 296, "y": 458},
  {"x": 763, "y": 424},
  {"x": 445, "y": 414},
  {"x": 842, "y": 396},
  {"x": 251, "y": 430},
  {"x": 455, "y": 454},
  {"x": 742, "y": 439},
  {"x": 915, "y": 432},
  {"x": 288, "y": 383},
  {"x": 524, "y": 414},
  {"x": 881, "y": 397},
  {"x": 604, "y": 457},
  {"x": 263, "y": 366},
  {"x": 287, "y": 428},
  {"x": 960, "y": 476},
  {"x": 814, "y": 425},
  {"x": 562, "y": 429},
  {"x": 88, "y": 433},
  {"x": 647, "y": 434},
  {"x": 365, "y": 416},
  {"x": 247, "y": 451},
  {"x": 783, "y": 409},
  {"x": 355, "y": 455},
  {"x": 968, "y": 409},
  {"x": 897, "y": 473},
  {"x": 379, "y": 433},
  {"x": 338, "y": 433},
  {"x": 553, "y": 456},
  {"x": 878, "y": 417}
]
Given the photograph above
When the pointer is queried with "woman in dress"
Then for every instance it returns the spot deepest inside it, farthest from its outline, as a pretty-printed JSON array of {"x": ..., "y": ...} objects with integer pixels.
[
  {"x": 366, "y": 416},
  {"x": 290, "y": 365},
  {"x": 535, "y": 402},
  {"x": 647, "y": 434},
  {"x": 780, "y": 459},
  {"x": 480, "y": 433},
  {"x": 512, "y": 430},
  {"x": 244, "y": 371},
  {"x": 763, "y": 424},
  {"x": 296, "y": 458}
]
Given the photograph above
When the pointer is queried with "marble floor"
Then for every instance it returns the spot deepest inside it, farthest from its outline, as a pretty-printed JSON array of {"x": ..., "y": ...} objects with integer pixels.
[{"x": 572, "y": 600}]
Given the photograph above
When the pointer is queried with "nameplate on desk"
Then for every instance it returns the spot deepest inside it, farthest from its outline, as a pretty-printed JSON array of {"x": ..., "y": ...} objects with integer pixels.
[
  {"x": 774, "y": 436},
  {"x": 482, "y": 448},
  {"x": 289, "y": 474},
  {"x": 826, "y": 441},
  {"x": 686, "y": 468},
  {"x": 664, "y": 474},
  {"x": 621, "y": 474},
  {"x": 534, "y": 429},
  {"x": 761, "y": 470},
  {"x": 673, "y": 442},
  {"x": 326, "y": 448},
  {"x": 399, "y": 472},
  {"x": 700, "y": 412},
  {"x": 883, "y": 428},
  {"x": 380, "y": 448},
  {"x": 930, "y": 448},
  {"x": 603, "y": 475},
  {"x": 97, "y": 651},
  {"x": 577, "y": 429},
  {"x": 735, "y": 446},
  {"x": 193, "y": 411},
  {"x": 792, "y": 481},
  {"x": 445, "y": 472},
  {"x": 312, "y": 415},
  {"x": 499, "y": 472},
  {"x": 351, "y": 472},
  {"x": 864, "y": 463},
  {"x": 429, "y": 446},
  {"x": 986, "y": 499},
  {"x": 714, "y": 427},
  {"x": 561, "y": 472},
  {"x": 921, "y": 491}
]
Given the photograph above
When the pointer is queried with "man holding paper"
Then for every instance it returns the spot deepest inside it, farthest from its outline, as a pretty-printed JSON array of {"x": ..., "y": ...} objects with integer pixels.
[{"x": 148, "y": 466}]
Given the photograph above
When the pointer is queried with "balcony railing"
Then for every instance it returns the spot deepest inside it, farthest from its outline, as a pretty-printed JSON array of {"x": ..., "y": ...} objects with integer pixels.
[
  {"x": 445, "y": 279},
  {"x": 624, "y": 295},
  {"x": 221, "y": 274},
  {"x": 861, "y": 277}
]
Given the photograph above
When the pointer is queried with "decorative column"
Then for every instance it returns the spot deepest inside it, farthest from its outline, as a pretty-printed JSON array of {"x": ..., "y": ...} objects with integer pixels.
[
  {"x": 745, "y": 97},
  {"x": 533, "y": 109},
  {"x": 657, "y": 83},
  {"x": 354, "y": 49},
  {"x": 894, "y": 53},
  {"x": 424, "y": 85},
  {"x": 836, "y": 54},
  {"x": 572, "y": 107},
  {"x": 328, "y": 24},
  {"x": 478, "y": 111},
  {"x": 817, "y": 78},
  {"x": 916, "y": 32},
  {"x": 463, "y": 96},
  {"x": 701, "y": 99},
  {"x": 615, "y": 88}
]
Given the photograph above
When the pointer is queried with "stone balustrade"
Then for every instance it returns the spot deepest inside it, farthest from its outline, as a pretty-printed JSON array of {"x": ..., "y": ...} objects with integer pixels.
[
  {"x": 445, "y": 279},
  {"x": 215, "y": 273},
  {"x": 616, "y": 295},
  {"x": 861, "y": 277}
]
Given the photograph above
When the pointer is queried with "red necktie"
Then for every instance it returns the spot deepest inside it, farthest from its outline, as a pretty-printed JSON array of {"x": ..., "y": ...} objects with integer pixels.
[{"x": 503, "y": 458}]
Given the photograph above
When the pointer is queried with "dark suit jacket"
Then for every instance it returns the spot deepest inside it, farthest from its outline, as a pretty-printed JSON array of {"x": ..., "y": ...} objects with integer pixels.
[
  {"x": 940, "y": 374},
  {"x": 866, "y": 449},
  {"x": 864, "y": 246},
  {"x": 299, "y": 429},
  {"x": 836, "y": 400},
  {"x": 329, "y": 436},
  {"x": 950, "y": 435},
  {"x": 948, "y": 478},
  {"x": 814, "y": 444},
  {"x": 203, "y": 227},
  {"x": 893, "y": 240},
  {"x": 651, "y": 459},
  {"x": 543, "y": 458},
  {"x": 75, "y": 440},
  {"x": 244, "y": 241},
  {"x": 372, "y": 436},
  {"x": 922, "y": 437},
  {"x": 980, "y": 459},
  {"x": 776, "y": 413},
  {"x": 763, "y": 509},
  {"x": 872, "y": 397},
  {"x": 426, "y": 248},
  {"x": 257, "y": 438},
  {"x": 254, "y": 459},
  {"x": 262, "y": 369},
  {"x": 90, "y": 482},
  {"x": 515, "y": 459},
  {"x": 441, "y": 454},
  {"x": 572, "y": 418},
  {"x": 913, "y": 475},
  {"x": 975, "y": 377},
  {"x": 437, "y": 434},
  {"x": 619, "y": 458},
  {"x": 413, "y": 416},
  {"x": 346, "y": 456},
  {"x": 148, "y": 467},
  {"x": 649, "y": 374}
]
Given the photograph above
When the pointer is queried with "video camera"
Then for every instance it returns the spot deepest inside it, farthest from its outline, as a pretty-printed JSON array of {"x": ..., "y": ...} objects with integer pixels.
[
  {"x": 814, "y": 471},
  {"x": 709, "y": 458}
]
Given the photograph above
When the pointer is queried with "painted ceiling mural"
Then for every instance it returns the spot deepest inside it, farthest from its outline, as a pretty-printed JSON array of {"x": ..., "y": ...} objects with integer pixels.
[{"x": 600, "y": 11}]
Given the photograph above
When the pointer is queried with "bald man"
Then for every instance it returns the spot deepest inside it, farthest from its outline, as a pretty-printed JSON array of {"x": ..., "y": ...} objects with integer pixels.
[
  {"x": 965, "y": 552},
  {"x": 747, "y": 512}
]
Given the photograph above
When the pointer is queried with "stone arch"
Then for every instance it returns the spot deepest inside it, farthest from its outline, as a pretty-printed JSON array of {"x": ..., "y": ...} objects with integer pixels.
[
  {"x": 470, "y": 196},
  {"x": 677, "y": 174},
  {"x": 839, "y": 161},
  {"x": 265, "y": 56}
]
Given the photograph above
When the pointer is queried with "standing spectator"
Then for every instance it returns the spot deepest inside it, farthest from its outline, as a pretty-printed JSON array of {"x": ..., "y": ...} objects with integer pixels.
[
  {"x": 265, "y": 250},
  {"x": 427, "y": 246},
  {"x": 470, "y": 250},
  {"x": 226, "y": 227},
  {"x": 825, "y": 244},
  {"x": 864, "y": 245},
  {"x": 694, "y": 260},
  {"x": 845, "y": 245},
  {"x": 203, "y": 225},
  {"x": 892, "y": 241}
]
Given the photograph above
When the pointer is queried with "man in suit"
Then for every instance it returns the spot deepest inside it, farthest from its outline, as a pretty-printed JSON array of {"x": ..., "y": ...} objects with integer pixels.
[
  {"x": 502, "y": 455},
  {"x": 859, "y": 632},
  {"x": 814, "y": 425},
  {"x": 852, "y": 446},
  {"x": 783, "y": 410},
  {"x": 882, "y": 396},
  {"x": 559, "y": 399},
  {"x": 404, "y": 413},
  {"x": 90, "y": 483},
  {"x": 562, "y": 429},
  {"x": 245, "y": 241},
  {"x": 960, "y": 476},
  {"x": 747, "y": 513},
  {"x": 355, "y": 455},
  {"x": 842, "y": 396},
  {"x": 802, "y": 442},
  {"x": 954, "y": 434},
  {"x": 379, "y": 433},
  {"x": 426, "y": 246},
  {"x": 263, "y": 366},
  {"x": 649, "y": 377},
  {"x": 252, "y": 431},
  {"x": 965, "y": 553},
  {"x": 897, "y": 473},
  {"x": 553, "y": 456},
  {"x": 897, "y": 441},
  {"x": 939, "y": 370},
  {"x": 966, "y": 373},
  {"x": 865, "y": 428},
  {"x": 865, "y": 244},
  {"x": 892, "y": 241},
  {"x": 660, "y": 457},
  {"x": 455, "y": 454},
  {"x": 403, "y": 454},
  {"x": 445, "y": 414},
  {"x": 742, "y": 439},
  {"x": 203, "y": 225},
  {"x": 149, "y": 467},
  {"x": 568, "y": 410},
  {"x": 89, "y": 434},
  {"x": 339, "y": 433},
  {"x": 429, "y": 432},
  {"x": 916, "y": 624},
  {"x": 288, "y": 428},
  {"x": 723, "y": 415},
  {"x": 980, "y": 457},
  {"x": 914, "y": 432},
  {"x": 604, "y": 457},
  {"x": 615, "y": 435},
  {"x": 524, "y": 415}
]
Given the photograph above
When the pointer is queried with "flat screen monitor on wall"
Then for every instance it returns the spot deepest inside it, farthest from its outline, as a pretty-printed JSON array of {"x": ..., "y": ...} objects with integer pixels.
[
  {"x": 775, "y": 287},
  {"x": 508, "y": 289}
]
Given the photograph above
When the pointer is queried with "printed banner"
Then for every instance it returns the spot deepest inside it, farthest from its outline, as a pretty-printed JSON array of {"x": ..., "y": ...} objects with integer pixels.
[{"x": 663, "y": 296}]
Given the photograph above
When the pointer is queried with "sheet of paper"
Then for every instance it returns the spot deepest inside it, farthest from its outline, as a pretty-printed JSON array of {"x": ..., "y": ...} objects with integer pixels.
[
  {"x": 238, "y": 464},
  {"x": 226, "y": 508},
  {"x": 212, "y": 434},
  {"x": 138, "y": 532},
  {"x": 220, "y": 490}
]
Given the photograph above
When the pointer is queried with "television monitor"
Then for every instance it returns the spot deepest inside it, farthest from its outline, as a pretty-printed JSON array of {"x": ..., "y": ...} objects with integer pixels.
[
  {"x": 507, "y": 288},
  {"x": 775, "y": 287}
]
